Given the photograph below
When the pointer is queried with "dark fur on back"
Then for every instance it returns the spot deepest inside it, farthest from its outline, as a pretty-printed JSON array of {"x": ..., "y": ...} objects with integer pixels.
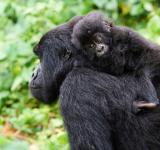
[{"x": 97, "y": 114}]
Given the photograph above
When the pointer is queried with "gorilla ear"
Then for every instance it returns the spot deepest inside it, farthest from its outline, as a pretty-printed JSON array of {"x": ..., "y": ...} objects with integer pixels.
[
  {"x": 75, "y": 42},
  {"x": 67, "y": 54},
  {"x": 73, "y": 21},
  {"x": 108, "y": 25}
]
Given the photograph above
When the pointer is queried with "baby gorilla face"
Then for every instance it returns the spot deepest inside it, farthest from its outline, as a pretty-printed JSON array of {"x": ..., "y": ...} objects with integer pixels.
[{"x": 97, "y": 46}]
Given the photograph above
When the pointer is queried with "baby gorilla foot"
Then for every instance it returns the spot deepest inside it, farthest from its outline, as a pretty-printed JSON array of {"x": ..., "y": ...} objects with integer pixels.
[{"x": 140, "y": 106}]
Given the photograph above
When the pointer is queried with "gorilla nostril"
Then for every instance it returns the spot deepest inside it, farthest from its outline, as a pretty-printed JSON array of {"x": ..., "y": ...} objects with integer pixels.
[
  {"x": 35, "y": 74},
  {"x": 32, "y": 75},
  {"x": 102, "y": 47}
]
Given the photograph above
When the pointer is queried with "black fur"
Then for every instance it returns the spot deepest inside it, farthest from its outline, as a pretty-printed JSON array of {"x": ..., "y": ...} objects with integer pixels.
[
  {"x": 96, "y": 107},
  {"x": 117, "y": 50}
]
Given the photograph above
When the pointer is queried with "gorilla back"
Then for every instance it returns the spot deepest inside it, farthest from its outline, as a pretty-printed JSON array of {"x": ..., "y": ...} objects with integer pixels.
[
  {"x": 97, "y": 114},
  {"x": 95, "y": 107}
]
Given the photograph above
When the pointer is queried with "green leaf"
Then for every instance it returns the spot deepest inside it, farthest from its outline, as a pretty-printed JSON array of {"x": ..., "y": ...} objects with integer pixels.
[
  {"x": 3, "y": 141},
  {"x": 60, "y": 142},
  {"x": 16, "y": 83},
  {"x": 137, "y": 9},
  {"x": 153, "y": 24},
  {"x": 3, "y": 94},
  {"x": 17, "y": 145},
  {"x": 56, "y": 123},
  {"x": 100, "y": 3}
]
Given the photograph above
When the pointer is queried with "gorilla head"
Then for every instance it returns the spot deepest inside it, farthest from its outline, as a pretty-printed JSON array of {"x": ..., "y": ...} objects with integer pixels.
[
  {"x": 92, "y": 35},
  {"x": 47, "y": 78}
]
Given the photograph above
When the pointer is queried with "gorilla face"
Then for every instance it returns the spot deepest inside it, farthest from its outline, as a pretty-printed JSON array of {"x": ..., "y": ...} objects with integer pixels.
[
  {"x": 43, "y": 84},
  {"x": 98, "y": 45},
  {"x": 54, "y": 52}
]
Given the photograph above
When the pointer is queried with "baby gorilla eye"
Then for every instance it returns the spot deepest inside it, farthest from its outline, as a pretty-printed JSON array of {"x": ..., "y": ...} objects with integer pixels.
[
  {"x": 91, "y": 45},
  {"x": 99, "y": 39}
]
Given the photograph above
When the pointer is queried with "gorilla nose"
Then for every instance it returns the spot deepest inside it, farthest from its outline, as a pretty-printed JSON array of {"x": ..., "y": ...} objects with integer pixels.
[
  {"x": 100, "y": 48},
  {"x": 34, "y": 75}
]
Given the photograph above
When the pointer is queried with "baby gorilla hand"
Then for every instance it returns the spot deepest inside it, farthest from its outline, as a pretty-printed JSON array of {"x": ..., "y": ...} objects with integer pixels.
[{"x": 140, "y": 106}]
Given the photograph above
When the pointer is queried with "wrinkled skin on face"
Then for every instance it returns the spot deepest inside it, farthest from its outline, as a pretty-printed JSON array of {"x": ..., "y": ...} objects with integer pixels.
[{"x": 98, "y": 45}]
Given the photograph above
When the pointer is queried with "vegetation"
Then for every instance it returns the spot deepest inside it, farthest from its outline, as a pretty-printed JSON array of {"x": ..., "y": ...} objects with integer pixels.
[{"x": 26, "y": 124}]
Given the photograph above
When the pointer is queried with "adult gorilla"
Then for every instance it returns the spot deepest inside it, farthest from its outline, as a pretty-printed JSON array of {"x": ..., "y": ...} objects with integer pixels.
[{"x": 95, "y": 106}]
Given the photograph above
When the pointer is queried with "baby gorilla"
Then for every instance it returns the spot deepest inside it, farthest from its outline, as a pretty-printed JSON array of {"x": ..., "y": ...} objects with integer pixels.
[{"x": 116, "y": 50}]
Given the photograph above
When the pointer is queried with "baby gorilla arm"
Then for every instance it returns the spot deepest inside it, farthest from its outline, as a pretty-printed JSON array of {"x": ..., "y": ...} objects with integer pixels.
[
  {"x": 148, "y": 58},
  {"x": 136, "y": 43},
  {"x": 147, "y": 96}
]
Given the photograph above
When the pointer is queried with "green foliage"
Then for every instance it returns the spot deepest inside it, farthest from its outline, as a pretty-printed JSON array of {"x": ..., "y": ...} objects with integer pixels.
[
  {"x": 21, "y": 26},
  {"x": 8, "y": 144},
  {"x": 16, "y": 145}
]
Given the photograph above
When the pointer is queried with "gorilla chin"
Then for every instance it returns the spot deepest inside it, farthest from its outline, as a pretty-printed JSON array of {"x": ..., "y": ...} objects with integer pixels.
[{"x": 37, "y": 89}]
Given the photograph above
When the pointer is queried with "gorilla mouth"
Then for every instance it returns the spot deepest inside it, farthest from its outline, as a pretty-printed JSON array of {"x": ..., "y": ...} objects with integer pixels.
[
  {"x": 34, "y": 85},
  {"x": 102, "y": 51}
]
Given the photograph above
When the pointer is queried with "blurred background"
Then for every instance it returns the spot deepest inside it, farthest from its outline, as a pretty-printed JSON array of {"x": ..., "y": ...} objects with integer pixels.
[{"x": 26, "y": 124}]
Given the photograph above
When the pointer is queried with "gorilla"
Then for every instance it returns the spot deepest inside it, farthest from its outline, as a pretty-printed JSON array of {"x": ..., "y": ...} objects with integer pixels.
[
  {"x": 117, "y": 51},
  {"x": 96, "y": 107}
]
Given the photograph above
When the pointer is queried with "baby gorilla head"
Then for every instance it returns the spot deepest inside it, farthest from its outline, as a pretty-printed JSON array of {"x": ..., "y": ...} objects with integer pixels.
[
  {"x": 100, "y": 41},
  {"x": 92, "y": 36},
  {"x": 114, "y": 50}
]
